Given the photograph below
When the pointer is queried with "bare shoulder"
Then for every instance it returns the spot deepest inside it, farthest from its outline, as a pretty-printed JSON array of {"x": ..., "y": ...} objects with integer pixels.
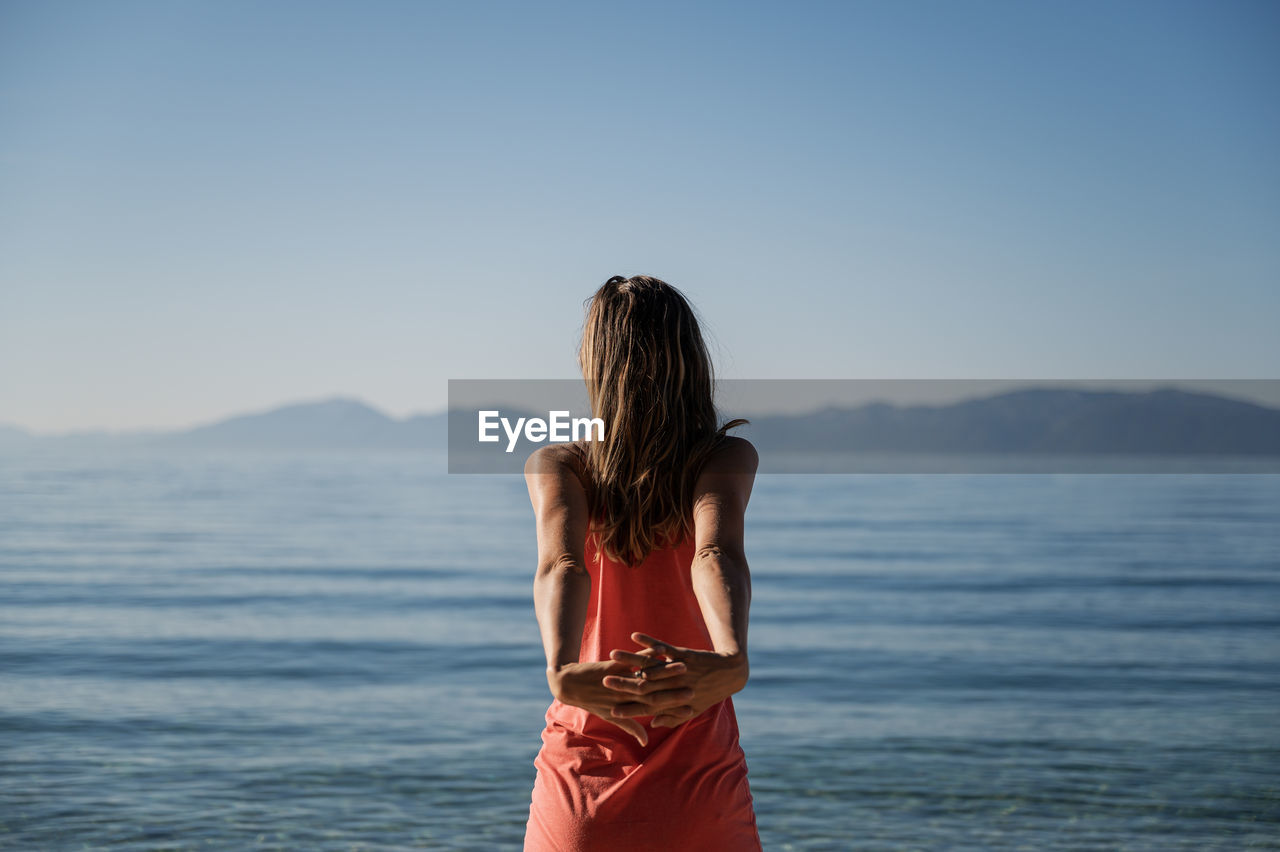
[
  {"x": 556, "y": 469},
  {"x": 726, "y": 480},
  {"x": 556, "y": 461},
  {"x": 734, "y": 455},
  {"x": 550, "y": 458},
  {"x": 721, "y": 495}
]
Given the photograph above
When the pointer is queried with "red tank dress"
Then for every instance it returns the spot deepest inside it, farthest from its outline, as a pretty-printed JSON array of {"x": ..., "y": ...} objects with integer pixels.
[{"x": 597, "y": 789}]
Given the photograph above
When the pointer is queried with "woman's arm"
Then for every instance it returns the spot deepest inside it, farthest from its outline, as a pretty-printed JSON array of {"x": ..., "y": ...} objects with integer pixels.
[
  {"x": 561, "y": 585},
  {"x": 721, "y": 578},
  {"x": 722, "y": 585}
]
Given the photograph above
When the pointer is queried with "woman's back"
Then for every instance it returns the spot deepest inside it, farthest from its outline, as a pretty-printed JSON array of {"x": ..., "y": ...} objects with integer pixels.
[{"x": 597, "y": 788}]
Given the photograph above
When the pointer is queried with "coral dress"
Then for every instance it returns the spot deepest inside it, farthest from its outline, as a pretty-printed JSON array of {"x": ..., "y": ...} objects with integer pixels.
[{"x": 597, "y": 789}]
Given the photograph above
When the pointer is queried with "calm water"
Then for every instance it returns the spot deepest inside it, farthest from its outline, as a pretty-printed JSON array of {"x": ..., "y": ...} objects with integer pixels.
[{"x": 240, "y": 651}]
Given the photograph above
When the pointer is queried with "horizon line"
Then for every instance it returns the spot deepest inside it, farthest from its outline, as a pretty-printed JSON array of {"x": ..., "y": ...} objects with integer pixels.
[{"x": 353, "y": 398}]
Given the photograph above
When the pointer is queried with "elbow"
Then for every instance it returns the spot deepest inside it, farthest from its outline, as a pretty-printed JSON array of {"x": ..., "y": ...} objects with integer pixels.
[
  {"x": 561, "y": 564},
  {"x": 719, "y": 553},
  {"x": 727, "y": 564}
]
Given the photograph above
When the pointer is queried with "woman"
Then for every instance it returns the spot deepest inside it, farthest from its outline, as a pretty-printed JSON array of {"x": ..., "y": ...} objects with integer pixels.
[{"x": 642, "y": 595}]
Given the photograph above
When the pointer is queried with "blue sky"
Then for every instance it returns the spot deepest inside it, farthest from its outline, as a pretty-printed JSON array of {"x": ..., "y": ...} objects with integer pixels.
[{"x": 208, "y": 208}]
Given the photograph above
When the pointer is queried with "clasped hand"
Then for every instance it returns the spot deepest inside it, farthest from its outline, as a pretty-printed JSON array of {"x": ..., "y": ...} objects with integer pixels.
[{"x": 672, "y": 684}]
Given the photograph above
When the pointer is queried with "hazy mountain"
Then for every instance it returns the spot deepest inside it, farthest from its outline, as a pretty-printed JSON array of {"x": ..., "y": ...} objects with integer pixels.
[
  {"x": 1036, "y": 420},
  {"x": 14, "y": 436},
  {"x": 338, "y": 423}
]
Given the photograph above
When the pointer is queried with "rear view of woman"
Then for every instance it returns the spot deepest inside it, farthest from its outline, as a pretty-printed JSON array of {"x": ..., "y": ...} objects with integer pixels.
[{"x": 642, "y": 595}]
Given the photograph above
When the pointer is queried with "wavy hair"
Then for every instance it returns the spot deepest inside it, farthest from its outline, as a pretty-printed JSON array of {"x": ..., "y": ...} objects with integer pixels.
[{"x": 650, "y": 379}]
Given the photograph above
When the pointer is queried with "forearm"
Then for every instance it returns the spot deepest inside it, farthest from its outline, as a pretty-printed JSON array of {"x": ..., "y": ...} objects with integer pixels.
[
  {"x": 561, "y": 592},
  {"x": 722, "y": 585}
]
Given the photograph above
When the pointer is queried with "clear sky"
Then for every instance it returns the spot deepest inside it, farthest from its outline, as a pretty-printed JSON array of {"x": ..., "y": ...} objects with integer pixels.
[{"x": 208, "y": 208}]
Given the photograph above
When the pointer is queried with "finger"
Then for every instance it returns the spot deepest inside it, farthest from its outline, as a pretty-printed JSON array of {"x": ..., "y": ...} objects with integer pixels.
[
  {"x": 673, "y": 716},
  {"x": 620, "y": 670},
  {"x": 631, "y": 685},
  {"x": 657, "y": 645},
  {"x": 630, "y": 708},
  {"x": 647, "y": 661},
  {"x": 650, "y": 705},
  {"x": 663, "y": 671},
  {"x": 669, "y": 698},
  {"x": 617, "y": 668},
  {"x": 649, "y": 655},
  {"x": 633, "y": 728},
  {"x": 643, "y": 657},
  {"x": 654, "y": 682},
  {"x": 630, "y": 658}
]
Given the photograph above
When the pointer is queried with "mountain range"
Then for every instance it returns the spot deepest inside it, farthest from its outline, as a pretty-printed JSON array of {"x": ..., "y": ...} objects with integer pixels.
[
  {"x": 336, "y": 423},
  {"x": 1032, "y": 420},
  {"x": 1037, "y": 420}
]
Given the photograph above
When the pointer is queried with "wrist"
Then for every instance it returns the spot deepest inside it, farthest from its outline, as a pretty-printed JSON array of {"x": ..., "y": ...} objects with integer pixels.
[
  {"x": 555, "y": 676},
  {"x": 553, "y": 679},
  {"x": 736, "y": 662}
]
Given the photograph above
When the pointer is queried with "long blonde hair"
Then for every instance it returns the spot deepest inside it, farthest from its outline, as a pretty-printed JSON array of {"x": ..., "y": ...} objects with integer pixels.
[{"x": 650, "y": 379}]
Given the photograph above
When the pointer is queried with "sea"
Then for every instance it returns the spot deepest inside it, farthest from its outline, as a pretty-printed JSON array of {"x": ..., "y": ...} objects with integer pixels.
[{"x": 305, "y": 650}]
